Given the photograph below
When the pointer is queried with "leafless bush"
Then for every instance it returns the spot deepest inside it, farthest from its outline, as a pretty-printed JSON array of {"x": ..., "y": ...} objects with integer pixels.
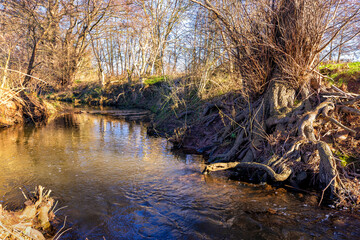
[{"x": 273, "y": 40}]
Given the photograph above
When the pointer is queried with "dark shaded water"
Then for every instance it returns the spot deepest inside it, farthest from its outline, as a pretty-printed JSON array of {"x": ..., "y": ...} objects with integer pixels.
[{"x": 118, "y": 183}]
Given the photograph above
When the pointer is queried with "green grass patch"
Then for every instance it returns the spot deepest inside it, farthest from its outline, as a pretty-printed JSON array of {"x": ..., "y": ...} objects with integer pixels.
[
  {"x": 345, "y": 158},
  {"x": 340, "y": 73},
  {"x": 154, "y": 79}
]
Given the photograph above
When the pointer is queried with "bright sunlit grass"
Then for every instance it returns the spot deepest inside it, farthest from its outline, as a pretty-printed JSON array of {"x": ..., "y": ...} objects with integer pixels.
[
  {"x": 154, "y": 79},
  {"x": 340, "y": 73}
]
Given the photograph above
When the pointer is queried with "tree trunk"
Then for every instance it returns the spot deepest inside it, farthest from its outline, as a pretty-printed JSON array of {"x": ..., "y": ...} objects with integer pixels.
[
  {"x": 31, "y": 64},
  {"x": 159, "y": 64},
  {"x": 4, "y": 80},
  {"x": 340, "y": 47}
]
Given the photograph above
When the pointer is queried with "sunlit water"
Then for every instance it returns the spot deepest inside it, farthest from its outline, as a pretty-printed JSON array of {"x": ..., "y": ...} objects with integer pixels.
[{"x": 118, "y": 183}]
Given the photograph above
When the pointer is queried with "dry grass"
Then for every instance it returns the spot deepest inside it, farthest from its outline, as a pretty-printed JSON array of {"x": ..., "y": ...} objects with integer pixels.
[
  {"x": 7, "y": 95},
  {"x": 31, "y": 222}
]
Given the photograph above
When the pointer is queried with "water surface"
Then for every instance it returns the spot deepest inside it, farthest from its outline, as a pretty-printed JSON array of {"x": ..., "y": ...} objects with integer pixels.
[{"x": 118, "y": 183}]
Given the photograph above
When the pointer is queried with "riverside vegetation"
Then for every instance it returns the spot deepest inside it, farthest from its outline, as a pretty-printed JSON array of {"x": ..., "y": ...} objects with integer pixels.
[
  {"x": 250, "y": 85},
  {"x": 211, "y": 126}
]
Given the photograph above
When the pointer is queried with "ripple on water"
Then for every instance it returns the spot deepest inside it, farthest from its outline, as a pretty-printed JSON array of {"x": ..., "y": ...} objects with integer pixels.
[{"x": 121, "y": 184}]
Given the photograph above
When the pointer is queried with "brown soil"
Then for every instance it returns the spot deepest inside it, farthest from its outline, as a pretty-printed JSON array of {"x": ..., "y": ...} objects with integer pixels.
[
  {"x": 21, "y": 107},
  {"x": 353, "y": 84},
  {"x": 206, "y": 136},
  {"x": 201, "y": 137}
]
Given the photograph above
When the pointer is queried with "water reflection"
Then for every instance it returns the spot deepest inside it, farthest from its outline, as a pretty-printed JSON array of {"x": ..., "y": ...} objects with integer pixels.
[
  {"x": 121, "y": 184},
  {"x": 67, "y": 121}
]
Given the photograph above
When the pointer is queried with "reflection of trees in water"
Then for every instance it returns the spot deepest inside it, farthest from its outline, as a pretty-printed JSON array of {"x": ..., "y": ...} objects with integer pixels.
[
  {"x": 22, "y": 133},
  {"x": 179, "y": 154},
  {"x": 28, "y": 132},
  {"x": 67, "y": 121}
]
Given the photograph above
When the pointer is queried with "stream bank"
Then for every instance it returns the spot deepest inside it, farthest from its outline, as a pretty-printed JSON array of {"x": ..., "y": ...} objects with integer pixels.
[
  {"x": 119, "y": 183},
  {"x": 20, "y": 107},
  {"x": 212, "y": 127}
]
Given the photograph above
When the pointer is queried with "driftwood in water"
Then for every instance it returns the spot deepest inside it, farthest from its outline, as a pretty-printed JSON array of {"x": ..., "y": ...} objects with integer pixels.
[
  {"x": 31, "y": 222},
  {"x": 131, "y": 114}
]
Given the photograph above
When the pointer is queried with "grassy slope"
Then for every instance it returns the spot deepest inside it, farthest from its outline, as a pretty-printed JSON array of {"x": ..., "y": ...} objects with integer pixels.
[{"x": 344, "y": 75}]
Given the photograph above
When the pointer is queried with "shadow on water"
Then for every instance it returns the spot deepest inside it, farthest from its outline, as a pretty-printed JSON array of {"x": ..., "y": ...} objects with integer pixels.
[
  {"x": 69, "y": 121},
  {"x": 121, "y": 184}
]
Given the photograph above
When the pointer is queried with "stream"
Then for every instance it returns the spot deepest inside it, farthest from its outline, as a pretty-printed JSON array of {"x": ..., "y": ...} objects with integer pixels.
[{"x": 116, "y": 182}]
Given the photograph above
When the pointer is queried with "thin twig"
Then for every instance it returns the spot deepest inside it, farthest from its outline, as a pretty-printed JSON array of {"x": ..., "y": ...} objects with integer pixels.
[
  {"x": 12, "y": 70},
  {"x": 336, "y": 122},
  {"x": 52, "y": 210},
  {"x": 339, "y": 90},
  {"x": 322, "y": 195},
  {"x": 60, "y": 228},
  {"x": 23, "y": 193},
  {"x": 60, "y": 209},
  {"x": 63, "y": 233}
]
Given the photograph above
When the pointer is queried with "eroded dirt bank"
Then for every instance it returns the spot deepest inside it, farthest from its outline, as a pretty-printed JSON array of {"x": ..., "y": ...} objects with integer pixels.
[
  {"x": 20, "y": 107},
  {"x": 314, "y": 145},
  {"x": 306, "y": 144}
]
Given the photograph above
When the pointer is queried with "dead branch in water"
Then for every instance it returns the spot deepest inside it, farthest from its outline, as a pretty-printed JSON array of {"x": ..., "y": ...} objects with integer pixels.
[{"x": 30, "y": 223}]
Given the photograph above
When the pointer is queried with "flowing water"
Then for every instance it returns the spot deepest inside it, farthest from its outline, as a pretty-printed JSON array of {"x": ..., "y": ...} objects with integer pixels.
[{"x": 118, "y": 183}]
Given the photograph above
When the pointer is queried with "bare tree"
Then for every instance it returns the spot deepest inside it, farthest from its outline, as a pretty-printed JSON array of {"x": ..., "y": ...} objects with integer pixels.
[
  {"x": 276, "y": 45},
  {"x": 56, "y": 32}
]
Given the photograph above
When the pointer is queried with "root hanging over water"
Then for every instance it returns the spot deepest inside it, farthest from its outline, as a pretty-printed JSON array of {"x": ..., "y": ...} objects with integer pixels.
[
  {"x": 304, "y": 142},
  {"x": 17, "y": 106},
  {"x": 31, "y": 223},
  {"x": 278, "y": 177}
]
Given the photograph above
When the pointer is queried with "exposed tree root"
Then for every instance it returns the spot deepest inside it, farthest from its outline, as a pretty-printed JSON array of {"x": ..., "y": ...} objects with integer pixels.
[
  {"x": 278, "y": 177},
  {"x": 276, "y": 113},
  {"x": 17, "y": 107},
  {"x": 328, "y": 174},
  {"x": 232, "y": 152},
  {"x": 349, "y": 110}
]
